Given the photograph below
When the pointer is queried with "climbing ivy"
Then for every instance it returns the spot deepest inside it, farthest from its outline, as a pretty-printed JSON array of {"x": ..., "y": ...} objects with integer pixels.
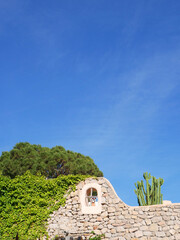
[{"x": 27, "y": 201}]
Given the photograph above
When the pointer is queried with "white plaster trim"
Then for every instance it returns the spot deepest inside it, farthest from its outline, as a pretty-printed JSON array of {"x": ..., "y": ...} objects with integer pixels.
[{"x": 90, "y": 209}]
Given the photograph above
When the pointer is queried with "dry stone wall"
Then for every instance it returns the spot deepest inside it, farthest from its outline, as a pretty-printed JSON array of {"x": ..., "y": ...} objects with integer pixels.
[{"x": 117, "y": 220}]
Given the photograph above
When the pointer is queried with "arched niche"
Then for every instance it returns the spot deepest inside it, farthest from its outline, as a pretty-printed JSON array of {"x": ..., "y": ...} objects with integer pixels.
[{"x": 90, "y": 197}]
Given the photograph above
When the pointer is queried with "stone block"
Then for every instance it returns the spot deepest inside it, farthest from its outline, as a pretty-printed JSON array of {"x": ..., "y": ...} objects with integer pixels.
[
  {"x": 138, "y": 234},
  {"x": 111, "y": 210}
]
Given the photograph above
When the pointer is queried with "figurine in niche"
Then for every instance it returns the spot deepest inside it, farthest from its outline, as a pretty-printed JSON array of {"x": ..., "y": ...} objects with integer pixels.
[{"x": 91, "y": 197}]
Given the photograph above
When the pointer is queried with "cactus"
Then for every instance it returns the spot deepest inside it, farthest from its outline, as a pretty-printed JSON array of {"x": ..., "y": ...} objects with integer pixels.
[{"x": 152, "y": 194}]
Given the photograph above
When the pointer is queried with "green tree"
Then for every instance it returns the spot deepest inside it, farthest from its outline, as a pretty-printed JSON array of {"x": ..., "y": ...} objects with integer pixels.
[{"x": 51, "y": 162}]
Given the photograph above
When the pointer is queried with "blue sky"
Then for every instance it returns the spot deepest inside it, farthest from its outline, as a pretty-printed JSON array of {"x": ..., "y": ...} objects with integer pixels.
[{"x": 97, "y": 77}]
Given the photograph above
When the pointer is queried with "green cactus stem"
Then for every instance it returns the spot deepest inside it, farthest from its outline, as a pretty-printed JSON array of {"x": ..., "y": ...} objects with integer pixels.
[{"x": 152, "y": 194}]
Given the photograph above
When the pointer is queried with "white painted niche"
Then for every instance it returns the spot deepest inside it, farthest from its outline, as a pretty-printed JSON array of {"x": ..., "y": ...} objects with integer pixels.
[{"x": 90, "y": 197}]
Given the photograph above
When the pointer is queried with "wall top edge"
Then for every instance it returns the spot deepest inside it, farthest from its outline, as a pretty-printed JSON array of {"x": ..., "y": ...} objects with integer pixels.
[{"x": 133, "y": 207}]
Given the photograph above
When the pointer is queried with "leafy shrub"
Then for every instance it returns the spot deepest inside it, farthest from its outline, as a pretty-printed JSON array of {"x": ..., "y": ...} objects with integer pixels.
[{"x": 27, "y": 201}]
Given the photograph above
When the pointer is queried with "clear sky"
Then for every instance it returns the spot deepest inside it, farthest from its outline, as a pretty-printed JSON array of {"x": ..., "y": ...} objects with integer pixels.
[{"x": 97, "y": 77}]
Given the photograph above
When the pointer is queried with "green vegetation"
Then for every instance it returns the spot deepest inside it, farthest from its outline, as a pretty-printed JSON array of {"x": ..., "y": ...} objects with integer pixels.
[
  {"x": 96, "y": 237},
  {"x": 50, "y": 162},
  {"x": 27, "y": 201},
  {"x": 27, "y": 198},
  {"x": 152, "y": 195}
]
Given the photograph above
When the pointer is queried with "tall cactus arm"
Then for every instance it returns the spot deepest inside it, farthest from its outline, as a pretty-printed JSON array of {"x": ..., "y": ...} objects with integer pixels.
[
  {"x": 143, "y": 201},
  {"x": 139, "y": 192},
  {"x": 161, "y": 183},
  {"x": 147, "y": 192},
  {"x": 147, "y": 176},
  {"x": 154, "y": 194},
  {"x": 143, "y": 188},
  {"x": 161, "y": 199},
  {"x": 159, "y": 192}
]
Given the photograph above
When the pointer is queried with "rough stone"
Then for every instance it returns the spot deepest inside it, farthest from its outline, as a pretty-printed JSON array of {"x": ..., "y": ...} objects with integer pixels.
[
  {"x": 116, "y": 220},
  {"x": 139, "y": 234}
]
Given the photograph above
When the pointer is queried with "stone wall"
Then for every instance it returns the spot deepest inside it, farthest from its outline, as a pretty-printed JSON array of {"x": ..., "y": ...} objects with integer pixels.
[{"x": 117, "y": 220}]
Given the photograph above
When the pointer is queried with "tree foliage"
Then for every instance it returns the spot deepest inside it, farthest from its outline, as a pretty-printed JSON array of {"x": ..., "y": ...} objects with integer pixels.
[
  {"x": 27, "y": 201},
  {"x": 50, "y": 162}
]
